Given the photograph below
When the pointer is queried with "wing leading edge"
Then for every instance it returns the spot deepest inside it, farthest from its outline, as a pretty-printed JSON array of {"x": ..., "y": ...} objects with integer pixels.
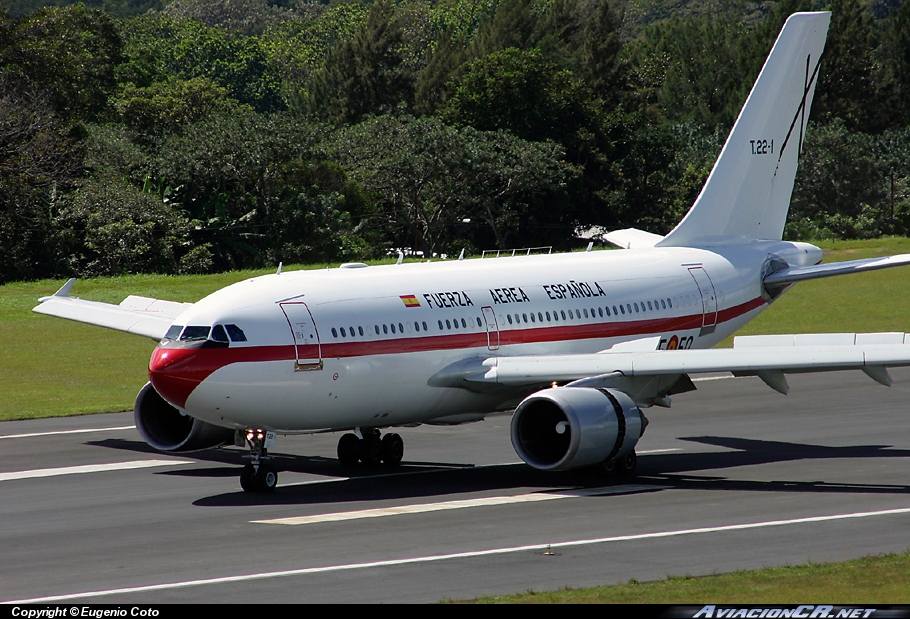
[{"x": 137, "y": 315}]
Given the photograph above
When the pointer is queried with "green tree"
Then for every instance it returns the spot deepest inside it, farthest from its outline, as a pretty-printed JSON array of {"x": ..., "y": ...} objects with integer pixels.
[
  {"x": 112, "y": 228},
  {"x": 365, "y": 74},
  {"x": 430, "y": 177},
  {"x": 40, "y": 160},
  {"x": 847, "y": 84},
  {"x": 69, "y": 52},
  {"x": 163, "y": 108},
  {"x": 520, "y": 91},
  {"x": 160, "y": 48}
]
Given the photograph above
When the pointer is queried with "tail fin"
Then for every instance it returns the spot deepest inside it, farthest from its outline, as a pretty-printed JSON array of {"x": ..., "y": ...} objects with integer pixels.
[{"x": 748, "y": 192}]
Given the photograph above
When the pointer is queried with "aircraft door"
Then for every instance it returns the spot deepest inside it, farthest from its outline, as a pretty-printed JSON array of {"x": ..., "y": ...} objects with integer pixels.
[
  {"x": 489, "y": 317},
  {"x": 708, "y": 299},
  {"x": 306, "y": 338}
]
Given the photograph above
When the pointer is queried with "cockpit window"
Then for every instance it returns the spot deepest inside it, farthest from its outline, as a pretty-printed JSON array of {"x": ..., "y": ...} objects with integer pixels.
[
  {"x": 174, "y": 332},
  {"x": 218, "y": 334},
  {"x": 237, "y": 335},
  {"x": 194, "y": 334}
]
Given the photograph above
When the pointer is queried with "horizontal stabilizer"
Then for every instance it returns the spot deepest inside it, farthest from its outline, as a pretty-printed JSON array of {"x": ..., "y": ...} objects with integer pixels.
[
  {"x": 633, "y": 238},
  {"x": 137, "y": 315},
  {"x": 793, "y": 275}
]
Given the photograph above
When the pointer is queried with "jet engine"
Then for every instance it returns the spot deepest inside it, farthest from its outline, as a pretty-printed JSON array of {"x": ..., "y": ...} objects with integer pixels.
[
  {"x": 573, "y": 427},
  {"x": 168, "y": 429}
]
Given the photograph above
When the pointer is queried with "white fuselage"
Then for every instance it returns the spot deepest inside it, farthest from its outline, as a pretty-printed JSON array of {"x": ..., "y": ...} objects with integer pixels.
[{"x": 357, "y": 347}]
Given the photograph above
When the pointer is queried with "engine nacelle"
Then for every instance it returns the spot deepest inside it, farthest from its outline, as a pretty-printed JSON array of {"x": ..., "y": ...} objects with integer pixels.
[
  {"x": 572, "y": 427},
  {"x": 167, "y": 429}
]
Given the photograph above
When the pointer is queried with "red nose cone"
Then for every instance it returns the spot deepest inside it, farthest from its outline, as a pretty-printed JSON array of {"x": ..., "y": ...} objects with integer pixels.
[{"x": 175, "y": 372}]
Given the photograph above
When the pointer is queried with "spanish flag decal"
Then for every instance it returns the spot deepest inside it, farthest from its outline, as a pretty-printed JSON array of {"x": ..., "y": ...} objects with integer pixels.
[{"x": 410, "y": 300}]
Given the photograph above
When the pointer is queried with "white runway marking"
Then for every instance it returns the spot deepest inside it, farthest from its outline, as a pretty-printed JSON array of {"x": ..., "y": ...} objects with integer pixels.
[
  {"x": 459, "y": 555},
  {"x": 423, "y": 508},
  {"x": 30, "y": 435},
  {"x": 705, "y": 378},
  {"x": 89, "y": 468}
]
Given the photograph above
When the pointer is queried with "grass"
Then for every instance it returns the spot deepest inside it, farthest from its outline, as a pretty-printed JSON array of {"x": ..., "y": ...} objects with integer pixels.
[
  {"x": 867, "y": 581},
  {"x": 51, "y": 367}
]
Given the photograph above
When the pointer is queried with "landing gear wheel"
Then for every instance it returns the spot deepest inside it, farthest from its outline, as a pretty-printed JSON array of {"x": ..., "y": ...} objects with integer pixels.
[
  {"x": 266, "y": 478},
  {"x": 371, "y": 450},
  {"x": 626, "y": 465},
  {"x": 259, "y": 475},
  {"x": 392, "y": 449},
  {"x": 246, "y": 478},
  {"x": 348, "y": 449},
  {"x": 263, "y": 480}
]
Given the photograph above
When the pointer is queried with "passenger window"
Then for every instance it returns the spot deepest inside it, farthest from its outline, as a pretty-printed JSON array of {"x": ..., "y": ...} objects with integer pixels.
[
  {"x": 385, "y": 329},
  {"x": 334, "y": 332},
  {"x": 464, "y": 323},
  {"x": 424, "y": 326},
  {"x": 360, "y": 330},
  {"x": 400, "y": 328}
]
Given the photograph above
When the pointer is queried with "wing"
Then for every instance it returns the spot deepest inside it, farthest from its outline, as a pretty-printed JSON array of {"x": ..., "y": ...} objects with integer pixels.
[
  {"x": 650, "y": 375},
  {"x": 137, "y": 315}
]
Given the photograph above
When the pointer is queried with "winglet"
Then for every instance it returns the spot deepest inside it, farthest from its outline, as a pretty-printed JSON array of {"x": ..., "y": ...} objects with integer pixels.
[{"x": 63, "y": 292}]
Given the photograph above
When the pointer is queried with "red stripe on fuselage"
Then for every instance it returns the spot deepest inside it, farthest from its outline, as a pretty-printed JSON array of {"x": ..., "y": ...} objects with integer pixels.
[{"x": 175, "y": 372}]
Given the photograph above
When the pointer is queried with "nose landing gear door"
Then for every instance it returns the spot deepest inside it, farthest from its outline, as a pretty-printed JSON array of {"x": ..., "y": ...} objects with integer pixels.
[{"x": 306, "y": 338}]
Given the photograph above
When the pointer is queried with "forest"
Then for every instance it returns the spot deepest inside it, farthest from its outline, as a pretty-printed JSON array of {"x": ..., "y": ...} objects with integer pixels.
[{"x": 195, "y": 136}]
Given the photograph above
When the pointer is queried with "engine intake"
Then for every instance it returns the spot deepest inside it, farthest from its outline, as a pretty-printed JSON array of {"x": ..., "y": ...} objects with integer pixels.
[
  {"x": 572, "y": 427},
  {"x": 168, "y": 429}
]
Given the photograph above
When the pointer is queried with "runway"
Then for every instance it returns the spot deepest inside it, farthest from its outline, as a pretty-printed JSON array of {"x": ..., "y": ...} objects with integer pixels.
[{"x": 734, "y": 476}]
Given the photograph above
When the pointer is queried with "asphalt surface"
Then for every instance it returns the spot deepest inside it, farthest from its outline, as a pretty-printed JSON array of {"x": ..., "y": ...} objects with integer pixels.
[{"x": 734, "y": 476}]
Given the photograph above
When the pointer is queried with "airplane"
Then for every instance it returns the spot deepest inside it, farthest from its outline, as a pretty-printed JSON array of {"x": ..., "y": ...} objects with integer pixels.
[{"x": 577, "y": 344}]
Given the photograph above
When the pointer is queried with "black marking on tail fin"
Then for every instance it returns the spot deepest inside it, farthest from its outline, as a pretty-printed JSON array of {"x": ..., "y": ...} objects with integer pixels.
[{"x": 800, "y": 112}]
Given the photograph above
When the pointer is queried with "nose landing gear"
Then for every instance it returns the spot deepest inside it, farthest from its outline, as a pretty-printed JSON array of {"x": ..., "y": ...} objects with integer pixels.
[
  {"x": 259, "y": 475},
  {"x": 371, "y": 449}
]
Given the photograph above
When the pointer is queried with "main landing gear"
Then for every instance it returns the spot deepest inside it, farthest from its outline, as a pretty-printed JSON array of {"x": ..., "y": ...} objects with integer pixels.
[
  {"x": 623, "y": 467},
  {"x": 369, "y": 448},
  {"x": 259, "y": 475}
]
